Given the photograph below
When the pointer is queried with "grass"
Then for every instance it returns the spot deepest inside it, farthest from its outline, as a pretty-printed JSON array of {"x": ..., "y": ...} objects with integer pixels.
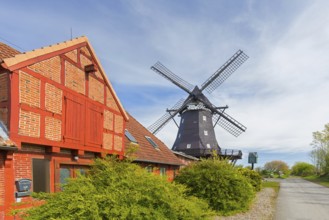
[
  {"x": 272, "y": 184},
  {"x": 322, "y": 180}
]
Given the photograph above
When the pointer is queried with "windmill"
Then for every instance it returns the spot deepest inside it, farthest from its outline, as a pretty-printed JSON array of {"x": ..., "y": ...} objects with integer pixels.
[{"x": 196, "y": 135}]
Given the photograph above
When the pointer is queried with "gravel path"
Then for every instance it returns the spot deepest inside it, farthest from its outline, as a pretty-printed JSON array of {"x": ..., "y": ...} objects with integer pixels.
[{"x": 262, "y": 209}]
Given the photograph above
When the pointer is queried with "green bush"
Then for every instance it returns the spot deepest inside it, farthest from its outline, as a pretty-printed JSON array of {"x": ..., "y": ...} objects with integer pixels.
[
  {"x": 218, "y": 182},
  {"x": 254, "y": 178},
  {"x": 119, "y": 190},
  {"x": 302, "y": 169}
]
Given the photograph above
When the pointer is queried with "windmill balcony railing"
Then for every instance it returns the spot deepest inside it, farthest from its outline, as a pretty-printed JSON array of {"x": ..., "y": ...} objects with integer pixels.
[{"x": 230, "y": 152}]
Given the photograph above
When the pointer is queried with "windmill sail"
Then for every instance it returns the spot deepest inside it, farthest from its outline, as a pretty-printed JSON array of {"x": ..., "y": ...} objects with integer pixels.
[{"x": 196, "y": 134}]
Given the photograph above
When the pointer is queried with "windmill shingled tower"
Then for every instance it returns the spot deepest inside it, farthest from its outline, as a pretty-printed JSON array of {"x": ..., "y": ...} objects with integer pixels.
[{"x": 196, "y": 135}]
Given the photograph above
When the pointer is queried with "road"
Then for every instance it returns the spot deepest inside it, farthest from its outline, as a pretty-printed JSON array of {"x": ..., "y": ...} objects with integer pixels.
[{"x": 302, "y": 200}]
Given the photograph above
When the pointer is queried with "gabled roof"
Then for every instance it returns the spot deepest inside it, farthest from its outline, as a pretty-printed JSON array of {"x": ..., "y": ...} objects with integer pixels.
[
  {"x": 7, "y": 51},
  {"x": 19, "y": 60},
  {"x": 146, "y": 152}
]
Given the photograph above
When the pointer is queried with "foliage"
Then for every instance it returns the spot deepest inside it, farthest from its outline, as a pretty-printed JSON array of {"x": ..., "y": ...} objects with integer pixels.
[
  {"x": 219, "y": 183},
  {"x": 119, "y": 190},
  {"x": 302, "y": 169},
  {"x": 320, "y": 152},
  {"x": 254, "y": 178},
  {"x": 277, "y": 167}
]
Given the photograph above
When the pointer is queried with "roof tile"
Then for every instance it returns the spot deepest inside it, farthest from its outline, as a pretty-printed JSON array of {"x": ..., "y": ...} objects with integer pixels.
[
  {"x": 146, "y": 152},
  {"x": 7, "y": 51}
]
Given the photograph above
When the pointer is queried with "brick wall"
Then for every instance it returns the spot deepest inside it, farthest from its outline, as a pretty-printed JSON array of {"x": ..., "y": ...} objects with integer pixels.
[
  {"x": 98, "y": 75},
  {"x": 96, "y": 90},
  {"x": 85, "y": 51},
  {"x": 23, "y": 166},
  {"x": 85, "y": 60},
  {"x": 4, "y": 115},
  {"x": 110, "y": 102},
  {"x": 118, "y": 124},
  {"x": 53, "y": 99},
  {"x": 73, "y": 55},
  {"x": 108, "y": 120},
  {"x": 29, "y": 124},
  {"x": 107, "y": 141},
  {"x": 74, "y": 78},
  {"x": 29, "y": 89},
  {"x": 2, "y": 180},
  {"x": 117, "y": 143},
  {"x": 3, "y": 87},
  {"x": 53, "y": 129},
  {"x": 50, "y": 68}
]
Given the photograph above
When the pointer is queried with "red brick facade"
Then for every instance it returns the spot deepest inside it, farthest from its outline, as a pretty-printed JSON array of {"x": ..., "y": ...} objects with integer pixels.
[{"x": 58, "y": 114}]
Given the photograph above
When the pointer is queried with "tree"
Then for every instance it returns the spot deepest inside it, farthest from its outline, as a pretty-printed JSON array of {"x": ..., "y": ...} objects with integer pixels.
[
  {"x": 320, "y": 152},
  {"x": 276, "y": 166},
  {"x": 219, "y": 183},
  {"x": 302, "y": 169},
  {"x": 119, "y": 190}
]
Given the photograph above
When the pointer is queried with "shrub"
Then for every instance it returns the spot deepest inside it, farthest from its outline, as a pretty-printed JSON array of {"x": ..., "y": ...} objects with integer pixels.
[
  {"x": 253, "y": 177},
  {"x": 119, "y": 190},
  {"x": 218, "y": 182},
  {"x": 302, "y": 169},
  {"x": 277, "y": 167}
]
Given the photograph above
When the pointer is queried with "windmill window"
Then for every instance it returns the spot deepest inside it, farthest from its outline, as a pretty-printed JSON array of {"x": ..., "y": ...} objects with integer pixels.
[
  {"x": 206, "y": 133},
  {"x": 208, "y": 145},
  {"x": 151, "y": 142},
  {"x": 188, "y": 146},
  {"x": 204, "y": 118},
  {"x": 130, "y": 136},
  {"x": 183, "y": 121},
  {"x": 178, "y": 135}
]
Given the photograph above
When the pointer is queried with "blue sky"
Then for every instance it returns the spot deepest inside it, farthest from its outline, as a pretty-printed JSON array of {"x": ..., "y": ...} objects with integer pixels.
[{"x": 279, "y": 93}]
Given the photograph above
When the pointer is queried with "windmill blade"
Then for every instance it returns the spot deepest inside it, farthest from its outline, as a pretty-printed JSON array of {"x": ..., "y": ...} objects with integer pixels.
[
  {"x": 156, "y": 126},
  {"x": 224, "y": 71},
  {"x": 166, "y": 73},
  {"x": 230, "y": 124}
]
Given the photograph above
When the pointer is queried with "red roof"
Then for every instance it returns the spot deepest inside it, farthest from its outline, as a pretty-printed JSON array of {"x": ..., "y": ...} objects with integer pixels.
[
  {"x": 7, "y": 51},
  {"x": 146, "y": 152}
]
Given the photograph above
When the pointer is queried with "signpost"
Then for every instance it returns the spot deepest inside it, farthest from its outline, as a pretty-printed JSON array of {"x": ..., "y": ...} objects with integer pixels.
[{"x": 252, "y": 158}]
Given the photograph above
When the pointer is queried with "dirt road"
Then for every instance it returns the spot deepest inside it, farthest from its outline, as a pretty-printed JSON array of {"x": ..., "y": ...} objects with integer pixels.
[{"x": 302, "y": 200}]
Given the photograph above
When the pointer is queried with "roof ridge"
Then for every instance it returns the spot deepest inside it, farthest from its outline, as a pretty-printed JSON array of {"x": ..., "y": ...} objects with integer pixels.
[{"x": 43, "y": 50}]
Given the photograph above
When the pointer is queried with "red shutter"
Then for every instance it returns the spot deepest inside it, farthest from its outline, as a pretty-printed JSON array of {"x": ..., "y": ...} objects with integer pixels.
[
  {"x": 74, "y": 120},
  {"x": 94, "y": 125}
]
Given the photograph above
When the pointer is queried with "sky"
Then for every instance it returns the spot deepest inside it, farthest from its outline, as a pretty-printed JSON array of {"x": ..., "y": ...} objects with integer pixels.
[{"x": 279, "y": 93}]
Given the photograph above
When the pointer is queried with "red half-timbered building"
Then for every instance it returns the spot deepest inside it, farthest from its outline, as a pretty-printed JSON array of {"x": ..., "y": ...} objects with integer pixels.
[{"x": 61, "y": 112}]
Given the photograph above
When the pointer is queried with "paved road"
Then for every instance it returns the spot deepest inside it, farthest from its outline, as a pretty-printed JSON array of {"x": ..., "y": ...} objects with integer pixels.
[{"x": 302, "y": 200}]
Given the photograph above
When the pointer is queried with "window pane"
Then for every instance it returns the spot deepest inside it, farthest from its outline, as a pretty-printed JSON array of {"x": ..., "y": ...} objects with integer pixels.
[
  {"x": 130, "y": 136},
  {"x": 64, "y": 174},
  {"x": 162, "y": 171},
  {"x": 151, "y": 142}
]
